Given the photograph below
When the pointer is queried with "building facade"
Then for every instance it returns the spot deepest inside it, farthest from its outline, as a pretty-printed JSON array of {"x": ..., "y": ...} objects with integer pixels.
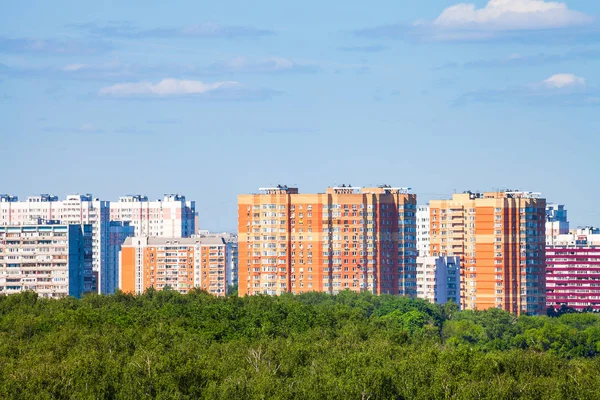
[
  {"x": 423, "y": 227},
  {"x": 348, "y": 238},
  {"x": 231, "y": 240},
  {"x": 179, "y": 263},
  {"x": 438, "y": 279},
  {"x": 573, "y": 270},
  {"x": 118, "y": 232},
  {"x": 500, "y": 239},
  {"x": 47, "y": 259},
  {"x": 172, "y": 216},
  {"x": 557, "y": 222},
  {"x": 74, "y": 209}
]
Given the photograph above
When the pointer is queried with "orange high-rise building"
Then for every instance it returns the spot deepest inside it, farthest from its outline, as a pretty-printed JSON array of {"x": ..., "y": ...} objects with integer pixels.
[
  {"x": 500, "y": 238},
  {"x": 348, "y": 238},
  {"x": 180, "y": 263}
]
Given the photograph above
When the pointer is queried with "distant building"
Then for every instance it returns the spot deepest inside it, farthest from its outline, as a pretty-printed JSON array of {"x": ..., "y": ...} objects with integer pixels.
[
  {"x": 75, "y": 209},
  {"x": 118, "y": 232},
  {"x": 556, "y": 222},
  {"x": 179, "y": 263},
  {"x": 47, "y": 259},
  {"x": 423, "y": 227},
  {"x": 348, "y": 238},
  {"x": 500, "y": 238},
  {"x": 438, "y": 279},
  {"x": 111, "y": 223},
  {"x": 573, "y": 270},
  {"x": 172, "y": 216},
  {"x": 231, "y": 240}
]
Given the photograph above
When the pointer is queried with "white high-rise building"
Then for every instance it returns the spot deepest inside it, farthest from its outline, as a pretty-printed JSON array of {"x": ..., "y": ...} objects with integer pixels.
[
  {"x": 556, "y": 223},
  {"x": 438, "y": 279},
  {"x": 423, "y": 227},
  {"x": 172, "y": 216},
  {"x": 75, "y": 209},
  {"x": 48, "y": 259}
]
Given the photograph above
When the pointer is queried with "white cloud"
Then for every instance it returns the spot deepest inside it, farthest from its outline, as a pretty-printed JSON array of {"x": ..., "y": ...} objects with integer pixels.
[
  {"x": 505, "y": 15},
  {"x": 89, "y": 128},
  {"x": 268, "y": 65},
  {"x": 166, "y": 87},
  {"x": 272, "y": 64},
  {"x": 528, "y": 21},
  {"x": 558, "y": 89},
  {"x": 74, "y": 67},
  {"x": 560, "y": 81}
]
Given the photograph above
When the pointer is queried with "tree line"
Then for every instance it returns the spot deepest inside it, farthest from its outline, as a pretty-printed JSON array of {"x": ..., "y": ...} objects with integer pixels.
[{"x": 166, "y": 345}]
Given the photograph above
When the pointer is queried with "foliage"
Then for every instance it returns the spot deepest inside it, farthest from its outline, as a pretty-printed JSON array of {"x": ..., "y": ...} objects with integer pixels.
[{"x": 350, "y": 346}]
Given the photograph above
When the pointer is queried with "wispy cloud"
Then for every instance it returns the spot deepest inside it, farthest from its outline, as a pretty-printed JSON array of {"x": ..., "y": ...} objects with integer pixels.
[
  {"x": 68, "y": 47},
  {"x": 206, "y": 30},
  {"x": 164, "y": 121},
  {"x": 289, "y": 130},
  {"x": 364, "y": 49},
  {"x": 89, "y": 128},
  {"x": 498, "y": 19},
  {"x": 75, "y": 71},
  {"x": 118, "y": 71},
  {"x": 73, "y": 67},
  {"x": 268, "y": 65},
  {"x": 85, "y": 128},
  {"x": 528, "y": 60},
  {"x": 132, "y": 130},
  {"x": 166, "y": 87},
  {"x": 169, "y": 88},
  {"x": 563, "y": 89}
]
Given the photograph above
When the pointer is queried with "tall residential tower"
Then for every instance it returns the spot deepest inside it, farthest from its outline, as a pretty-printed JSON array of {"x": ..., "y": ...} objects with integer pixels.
[
  {"x": 348, "y": 238},
  {"x": 48, "y": 259},
  {"x": 423, "y": 228},
  {"x": 500, "y": 238}
]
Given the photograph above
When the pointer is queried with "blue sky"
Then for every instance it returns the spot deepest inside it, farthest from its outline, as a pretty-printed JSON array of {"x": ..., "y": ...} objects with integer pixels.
[{"x": 213, "y": 99}]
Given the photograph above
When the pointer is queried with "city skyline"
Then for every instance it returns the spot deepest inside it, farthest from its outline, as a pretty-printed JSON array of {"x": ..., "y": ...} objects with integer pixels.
[
  {"x": 202, "y": 226},
  {"x": 216, "y": 99}
]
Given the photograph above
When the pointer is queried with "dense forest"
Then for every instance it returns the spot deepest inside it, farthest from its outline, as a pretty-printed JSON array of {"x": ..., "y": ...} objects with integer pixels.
[{"x": 313, "y": 346}]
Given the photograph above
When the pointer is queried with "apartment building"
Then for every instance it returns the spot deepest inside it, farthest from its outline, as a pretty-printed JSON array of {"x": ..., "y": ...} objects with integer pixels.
[
  {"x": 438, "y": 279},
  {"x": 556, "y": 222},
  {"x": 179, "y": 263},
  {"x": 231, "y": 240},
  {"x": 348, "y": 238},
  {"x": 500, "y": 239},
  {"x": 423, "y": 227},
  {"x": 74, "y": 209},
  {"x": 573, "y": 270},
  {"x": 118, "y": 232},
  {"x": 47, "y": 259},
  {"x": 172, "y": 216}
]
